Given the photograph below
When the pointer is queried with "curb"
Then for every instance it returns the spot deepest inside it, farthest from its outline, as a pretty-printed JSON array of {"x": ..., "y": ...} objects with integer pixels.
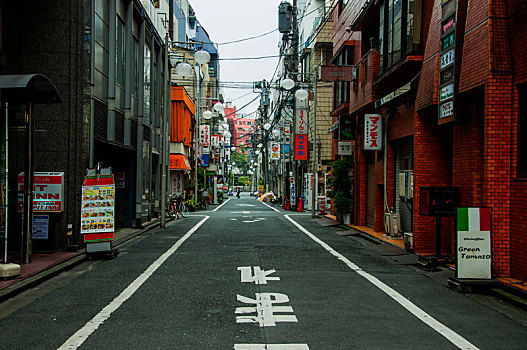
[{"x": 54, "y": 270}]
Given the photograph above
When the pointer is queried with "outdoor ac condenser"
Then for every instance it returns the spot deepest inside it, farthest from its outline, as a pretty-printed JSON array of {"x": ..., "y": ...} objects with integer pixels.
[{"x": 392, "y": 224}]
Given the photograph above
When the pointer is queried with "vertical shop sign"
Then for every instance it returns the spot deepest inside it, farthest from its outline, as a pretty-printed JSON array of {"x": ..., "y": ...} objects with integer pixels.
[
  {"x": 300, "y": 147},
  {"x": 301, "y": 117},
  {"x": 292, "y": 191},
  {"x": 372, "y": 132},
  {"x": 204, "y": 135},
  {"x": 474, "y": 250},
  {"x": 176, "y": 180},
  {"x": 447, "y": 83}
]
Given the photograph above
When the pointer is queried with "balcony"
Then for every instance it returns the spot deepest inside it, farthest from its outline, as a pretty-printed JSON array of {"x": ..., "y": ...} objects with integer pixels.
[{"x": 363, "y": 89}]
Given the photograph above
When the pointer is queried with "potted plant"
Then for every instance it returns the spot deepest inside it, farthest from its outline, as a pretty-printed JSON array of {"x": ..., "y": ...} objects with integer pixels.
[
  {"x": 191, "y": 205},
  {"x": 341, "y": 182}
]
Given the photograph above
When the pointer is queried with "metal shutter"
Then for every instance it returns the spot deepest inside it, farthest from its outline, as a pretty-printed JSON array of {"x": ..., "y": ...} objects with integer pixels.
[
  {"x": 370, "y": 191},
  {"x": 404, "y": 150}
]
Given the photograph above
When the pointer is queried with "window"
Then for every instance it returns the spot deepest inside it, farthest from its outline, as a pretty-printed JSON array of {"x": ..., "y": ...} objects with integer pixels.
[
  {"x": 120, "y": 52},
  {"x": 522, "y": 130},
  {"x": 147, "y": 85},
  {"x": 399, "y": 30}
]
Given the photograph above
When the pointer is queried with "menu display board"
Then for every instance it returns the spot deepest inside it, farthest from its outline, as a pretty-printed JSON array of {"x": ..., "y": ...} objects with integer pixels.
[{"x": 98, "y": 209}]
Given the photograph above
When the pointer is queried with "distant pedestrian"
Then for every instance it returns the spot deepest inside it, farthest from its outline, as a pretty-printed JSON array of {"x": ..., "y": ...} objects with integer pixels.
[{"x": 237, "y": 192}]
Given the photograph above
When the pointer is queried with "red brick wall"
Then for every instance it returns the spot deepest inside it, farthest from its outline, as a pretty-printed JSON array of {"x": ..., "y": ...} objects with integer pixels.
[
  {"x": 518, "y": 30},
  {"x": 360, "y": 182},
  {"x": 519, "y": 230},
  {"x": 340, "y": 23},
  {"x": 432, "y": 167},
  {"x": 401, "y": 124},
  {"x": 427, "y": 92}
]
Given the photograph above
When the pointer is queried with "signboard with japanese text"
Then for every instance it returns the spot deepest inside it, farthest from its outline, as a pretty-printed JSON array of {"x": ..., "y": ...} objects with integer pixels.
[
  {"x": 372, "y": 132},
  {"x": 474, "y": 243},
  {"x": 345, "y": 148},
  {"x": 447, "y": 60},
  {"x": 335, "y": 73},
  {"x": 292, "y": 191},
  {"x": 98, "y": 209},
  {"x": 176, "y": 183},
  {"x": 275, "y": 150},
  {"x": 301, "y": 117},
  {"x": 48, "y": 191},
  {"x": 204, "y": 135},
  {"x": 300, "y": 147},
  {"x": 215, "y": 140}
]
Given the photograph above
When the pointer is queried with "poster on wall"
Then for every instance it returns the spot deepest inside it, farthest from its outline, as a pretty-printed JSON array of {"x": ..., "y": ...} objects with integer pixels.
[
  {"x": 474, "y": 244},
  {"x": 40, "y": 227},
  {"x": 48, "y": 191},
  {"x": 98, "y": 209}
]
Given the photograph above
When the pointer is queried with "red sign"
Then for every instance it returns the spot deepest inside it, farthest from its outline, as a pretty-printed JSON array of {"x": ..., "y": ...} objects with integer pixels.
[
  {"x": 301, "y": 147},
  {"x": 335, "y": 73},
  {"x": 48, "y": 191}
]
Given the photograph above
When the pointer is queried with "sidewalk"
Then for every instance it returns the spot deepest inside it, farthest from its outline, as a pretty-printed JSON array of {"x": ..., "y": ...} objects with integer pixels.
[
  {"x": 45, "y": 266},
  {"x": 517, "y": 287}
]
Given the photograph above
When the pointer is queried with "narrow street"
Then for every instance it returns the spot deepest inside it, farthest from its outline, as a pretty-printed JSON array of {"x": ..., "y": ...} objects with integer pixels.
[{"x": 244, "y": 276}]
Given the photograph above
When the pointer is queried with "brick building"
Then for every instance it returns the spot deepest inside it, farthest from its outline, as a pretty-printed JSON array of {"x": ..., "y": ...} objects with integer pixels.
[{"x": 449, "y": 84}]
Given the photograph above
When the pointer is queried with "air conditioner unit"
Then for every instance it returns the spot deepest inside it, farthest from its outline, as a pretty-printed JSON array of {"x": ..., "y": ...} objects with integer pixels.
[
  {"x": 406, "y": 184},
  {"x": 392, "y": 224}
]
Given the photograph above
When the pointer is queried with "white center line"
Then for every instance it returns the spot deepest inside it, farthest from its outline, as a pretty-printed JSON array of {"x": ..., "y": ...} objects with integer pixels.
[
  {"x": 446, "y": 332},
  {"x": 82, "y": 334}
]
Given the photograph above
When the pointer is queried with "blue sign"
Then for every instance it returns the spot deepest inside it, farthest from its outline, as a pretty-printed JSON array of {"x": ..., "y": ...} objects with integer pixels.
[{"x": 204, "y": 160}]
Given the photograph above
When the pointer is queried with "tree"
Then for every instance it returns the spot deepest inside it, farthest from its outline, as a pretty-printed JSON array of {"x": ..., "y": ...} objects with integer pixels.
[{"x": 341, "y": 182}]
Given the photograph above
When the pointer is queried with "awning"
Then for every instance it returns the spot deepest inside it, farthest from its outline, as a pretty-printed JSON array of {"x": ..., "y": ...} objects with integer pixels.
[
  {"x": 24, "y": 88},
  {"x": 179, "y": 162}
]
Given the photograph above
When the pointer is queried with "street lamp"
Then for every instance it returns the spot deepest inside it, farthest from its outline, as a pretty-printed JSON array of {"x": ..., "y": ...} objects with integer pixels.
[{"x": 207, "y": 115}]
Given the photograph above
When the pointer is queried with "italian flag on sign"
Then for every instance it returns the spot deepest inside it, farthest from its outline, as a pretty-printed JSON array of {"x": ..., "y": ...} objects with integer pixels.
[
  {"x": 474, "y": 253},
  {"x": 473, "y": 219}
]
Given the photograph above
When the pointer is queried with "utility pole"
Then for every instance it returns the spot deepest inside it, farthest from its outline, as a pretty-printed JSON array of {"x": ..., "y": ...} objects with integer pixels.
[{"x": 294, "y": 43}]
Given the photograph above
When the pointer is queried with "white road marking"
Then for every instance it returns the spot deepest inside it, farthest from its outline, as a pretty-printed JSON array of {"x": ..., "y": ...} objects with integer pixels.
[
  {"x": 240, "y": 212},
  {"x": 256, "y": 275},
  {"x": 268, "y": 206},
  {"x": 234, "y": 219},
  {"x": 446, "y": 332},
  {"x": 82, "y": 334},
  {"x": 251, "y": 221},
  {"x": 222, "y": 204},
  {"x": 264, "y": 310},
  {"x": 246, "y": 205},
  {"x": 271, "y": 347}
]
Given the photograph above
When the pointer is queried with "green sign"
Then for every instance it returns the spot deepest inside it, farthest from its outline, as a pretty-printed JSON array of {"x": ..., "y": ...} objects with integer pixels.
[{"x": 448, "y": 41}]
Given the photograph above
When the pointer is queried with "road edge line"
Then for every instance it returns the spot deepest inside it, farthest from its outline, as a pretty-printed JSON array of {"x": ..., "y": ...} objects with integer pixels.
[
  {"x": 440, "y": 328},
  {"x": 77, "y": 339}
]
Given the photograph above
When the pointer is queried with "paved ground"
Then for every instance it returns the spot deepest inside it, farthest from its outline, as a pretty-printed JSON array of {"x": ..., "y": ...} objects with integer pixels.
[{"x": 251, "y": 274}]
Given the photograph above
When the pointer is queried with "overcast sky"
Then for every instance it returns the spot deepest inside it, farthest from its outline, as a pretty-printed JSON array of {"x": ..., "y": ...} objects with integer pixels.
[{"x": 228, "y": 20}]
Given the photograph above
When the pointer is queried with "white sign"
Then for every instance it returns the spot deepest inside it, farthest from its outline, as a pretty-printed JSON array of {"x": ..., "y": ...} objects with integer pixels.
[
  {"x": 263, "y": 310},
  {"x": 215, "y": 140},
  {"x": 446, "y": 109},
  {"x": 446, "y": 92},
  {"x": 372, "y": 132},
  {"x": 48, "y": 191},
  {"x": 256, "y": 275},
  {"x": 40, "y": 226},
  {"x": 345, "y": 148},
  {"x": 447, "y": 58},
  {"x": 176, "y": 181},
  {"x": 204, "y": 135},
  {"x": 474, "y": 253},
  {"x": 275, "y": 150},
  {"x": 301, "y": 117}
]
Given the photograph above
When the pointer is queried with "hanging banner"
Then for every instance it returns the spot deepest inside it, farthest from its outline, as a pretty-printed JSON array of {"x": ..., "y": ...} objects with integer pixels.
[
  {"x": 275, "y": 150},
  {"x": 372, "y": 132},
  {"x": 48, "y": 191},
  {"x": 474, "y": 245},
  {"x": 97, "y": 209},
  {"x": 300, "y": 147},
  {"x": 301, "y": 117},
  {"x": 204, "y": 135}
]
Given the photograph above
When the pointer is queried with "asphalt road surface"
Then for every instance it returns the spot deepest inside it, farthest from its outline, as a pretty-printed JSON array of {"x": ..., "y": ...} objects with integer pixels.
[{"x": 252, "y": 276}]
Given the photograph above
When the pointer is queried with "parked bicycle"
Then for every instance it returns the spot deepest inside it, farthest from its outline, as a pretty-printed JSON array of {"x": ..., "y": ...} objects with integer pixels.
[{"x": 176, "y": 207}]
